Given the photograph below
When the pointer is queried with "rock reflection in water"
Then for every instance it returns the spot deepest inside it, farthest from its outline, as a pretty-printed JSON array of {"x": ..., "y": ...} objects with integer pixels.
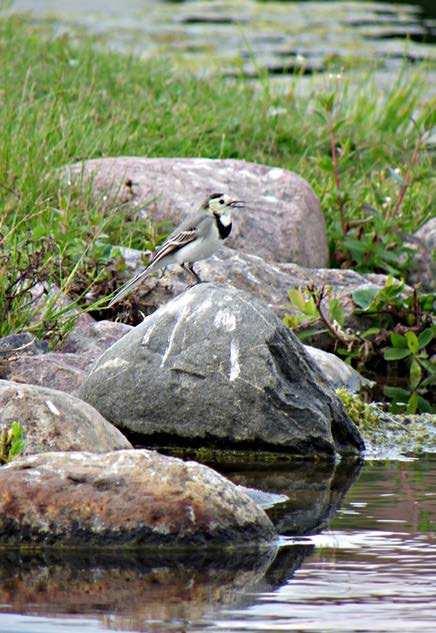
[
  {"x": 129, "y": 591},
  {"x": 132, "y": 590},
  {"x": 315, "y": 492}
]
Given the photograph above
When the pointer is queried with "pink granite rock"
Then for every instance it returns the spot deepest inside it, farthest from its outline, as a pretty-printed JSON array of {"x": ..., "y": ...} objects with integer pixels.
[{"x": 282, "y": 220}]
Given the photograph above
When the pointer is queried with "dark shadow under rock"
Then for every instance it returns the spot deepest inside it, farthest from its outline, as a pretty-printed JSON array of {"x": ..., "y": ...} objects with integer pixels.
[{"x": 314, "y": 491}]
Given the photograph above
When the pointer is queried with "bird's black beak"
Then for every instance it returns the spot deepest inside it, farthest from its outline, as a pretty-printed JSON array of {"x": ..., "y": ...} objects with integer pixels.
[{"x": 237, "y": 204}]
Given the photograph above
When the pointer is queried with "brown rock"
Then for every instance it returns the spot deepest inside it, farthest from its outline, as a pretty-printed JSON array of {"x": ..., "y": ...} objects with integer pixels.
[
  {"x": 64, "y": 372},
  {"x": 92, "y": 339},
  {"x": 55, "y": 421},
  {"x": 134, "y": 497},
  {"x": 282, "y": 220}
]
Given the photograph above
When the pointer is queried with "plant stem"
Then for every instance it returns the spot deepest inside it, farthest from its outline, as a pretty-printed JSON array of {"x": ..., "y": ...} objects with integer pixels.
[{"x": 337, "y": 177}]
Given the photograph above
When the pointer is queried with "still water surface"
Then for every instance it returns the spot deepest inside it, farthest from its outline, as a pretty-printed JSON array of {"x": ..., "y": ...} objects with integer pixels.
[{"x": 357, "y": 554}]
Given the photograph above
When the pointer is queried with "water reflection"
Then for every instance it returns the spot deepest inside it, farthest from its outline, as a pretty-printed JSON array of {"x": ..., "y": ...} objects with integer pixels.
[
  {"x": 314, "y": 492},
  {"x": 140, "y": 587},
  {"x": 371, "y": 568}
]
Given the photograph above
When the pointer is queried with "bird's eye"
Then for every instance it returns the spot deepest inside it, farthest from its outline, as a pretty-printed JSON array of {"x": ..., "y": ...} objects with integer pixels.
[{"x": 221, "y": 201}]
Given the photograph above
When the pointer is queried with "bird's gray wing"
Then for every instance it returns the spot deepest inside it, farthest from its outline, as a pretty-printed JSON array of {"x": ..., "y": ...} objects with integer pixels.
[{"x": 185, "y": 233}]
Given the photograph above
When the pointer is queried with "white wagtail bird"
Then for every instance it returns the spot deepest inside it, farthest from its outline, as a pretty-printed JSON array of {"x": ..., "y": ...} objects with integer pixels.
[{"x": 198, "y": 237}]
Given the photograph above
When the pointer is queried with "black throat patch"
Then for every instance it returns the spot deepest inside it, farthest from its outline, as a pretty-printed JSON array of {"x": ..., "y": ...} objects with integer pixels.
[{"x": 224, "y": 231}]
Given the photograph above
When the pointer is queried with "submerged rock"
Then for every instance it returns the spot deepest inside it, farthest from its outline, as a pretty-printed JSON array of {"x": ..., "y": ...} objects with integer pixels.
[
  {"x": 130, "y": 497},
  {"x": 55, "y": 421},
  {"x": 217, "y": 367},
  {"x": 395, "y": 436},
  {"x": 282, "y": 221}
]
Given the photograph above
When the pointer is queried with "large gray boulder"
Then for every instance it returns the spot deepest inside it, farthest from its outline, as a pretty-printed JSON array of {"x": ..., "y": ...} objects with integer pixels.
[
  {"x": 130, "y": 497},
  {"x": 56, "y": 421},
  {"x": 282, "y": 220},
  {"x": 217, "y": 367}
]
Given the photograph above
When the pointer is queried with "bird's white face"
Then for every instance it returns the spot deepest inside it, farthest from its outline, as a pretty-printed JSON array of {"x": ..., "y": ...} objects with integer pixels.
[{"x": 222, "y": 205}]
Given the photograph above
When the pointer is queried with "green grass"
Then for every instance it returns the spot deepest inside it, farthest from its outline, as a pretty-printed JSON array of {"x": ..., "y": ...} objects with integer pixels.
[{"x": 62, "y": 102}]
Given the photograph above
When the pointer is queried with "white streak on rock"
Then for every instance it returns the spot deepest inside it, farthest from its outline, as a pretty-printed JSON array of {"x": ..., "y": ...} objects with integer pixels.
[
  {"x": 275, "y": 174},
  {"x": 235, "y": 368},
  {"x": 225, "y": 320},
  {"x": 113, "y": 362},
  {"x": 148, "y": 334},
  {"x": 52, "y": 407},
  {"x": 179, "y": 320}
]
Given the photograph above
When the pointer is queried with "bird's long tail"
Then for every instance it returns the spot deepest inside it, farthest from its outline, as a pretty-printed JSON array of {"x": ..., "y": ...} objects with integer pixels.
[{"x": 130, "y": 286}]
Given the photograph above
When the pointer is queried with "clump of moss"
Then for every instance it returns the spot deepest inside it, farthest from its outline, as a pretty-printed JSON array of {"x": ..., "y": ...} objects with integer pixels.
[
  {"x": 12, "y": 442},
  {"x": 363, "y": 415}
]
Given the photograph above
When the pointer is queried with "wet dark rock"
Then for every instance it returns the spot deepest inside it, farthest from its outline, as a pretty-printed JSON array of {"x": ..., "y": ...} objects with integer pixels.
[
  {"x": 216, "y": 367},
  {"x": 129, "y": 497},
  {"x": 283, "y": 220},
  {"x": 55, "y": 421}
]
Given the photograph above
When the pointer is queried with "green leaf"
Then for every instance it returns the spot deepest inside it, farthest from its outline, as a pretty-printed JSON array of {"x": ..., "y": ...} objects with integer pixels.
[
  {"x": 393, "y": 353},
  {"x": 291, "y": 321},
  {"x": 297, "y": 299},
  {"x": 412, "y": 404},
  {"x": 371, "y": 331},
  {"x": 398, "y": 340},
  {"x": 425, "y": 337},
  {"x": 16, "y": 437},
  {"x": 412, "y": 341},
  {"x": 415, "y": 374},
  {"x": 336, "y": 311},
  {"x": 423, "y": 405},
  {"x": 363, "y": 297},
  {"x": 396, "y": 393}
]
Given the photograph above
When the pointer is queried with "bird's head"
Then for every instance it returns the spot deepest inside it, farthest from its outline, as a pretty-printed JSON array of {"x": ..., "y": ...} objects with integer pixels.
[{"x": 220, "y": 204}]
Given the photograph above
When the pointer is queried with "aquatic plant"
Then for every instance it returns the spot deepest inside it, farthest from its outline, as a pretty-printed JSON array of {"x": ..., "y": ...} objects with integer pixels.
[
  {"x": 362, "y": 414},
  {"x": 12, "y": 442}
]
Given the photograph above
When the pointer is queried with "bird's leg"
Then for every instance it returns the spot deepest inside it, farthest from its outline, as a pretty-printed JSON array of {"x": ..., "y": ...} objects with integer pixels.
[{"x": 190, "y": 268}]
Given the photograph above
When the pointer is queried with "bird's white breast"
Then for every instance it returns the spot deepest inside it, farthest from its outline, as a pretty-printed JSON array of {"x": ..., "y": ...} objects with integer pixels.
[{"x": 226, "y": 218}]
